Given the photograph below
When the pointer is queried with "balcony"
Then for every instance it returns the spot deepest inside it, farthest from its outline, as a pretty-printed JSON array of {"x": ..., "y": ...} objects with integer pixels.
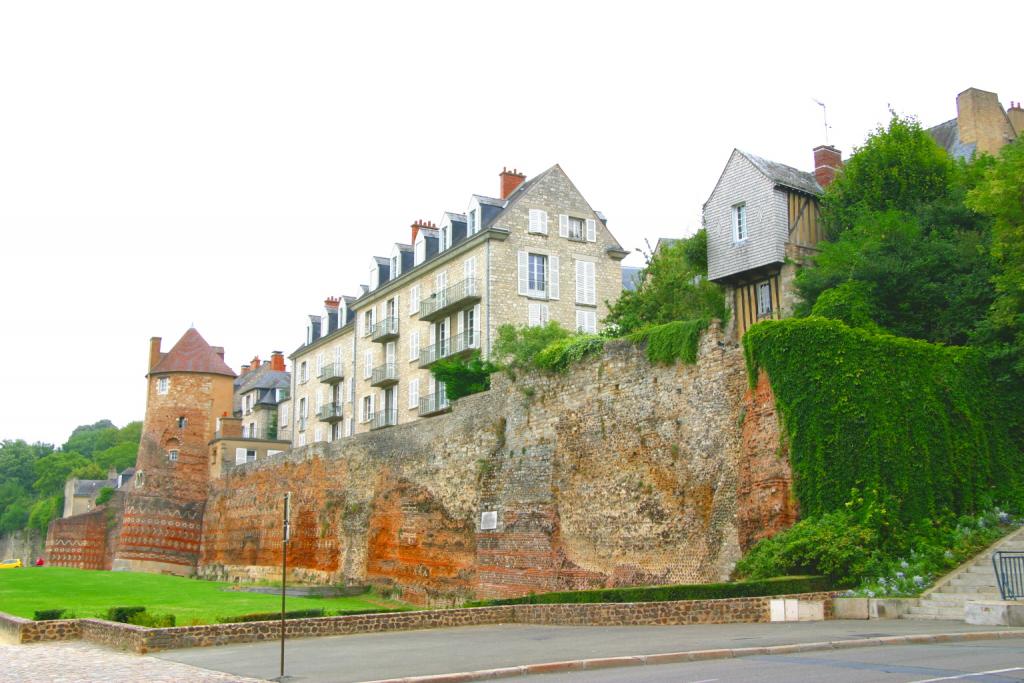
[
  {"x": 450, "y": 299},
  {"x": 385, "y": 330},
  {"x": 433, "y": 404},
  {"x": 332, "y": 373},
  {"x": 247, "y": 434},
  {"x": 329, "y": 412},
  {"x": 452, "y": 346},
  {"x": 383, "y": 418},
  {"x": 384, "y": 375}
]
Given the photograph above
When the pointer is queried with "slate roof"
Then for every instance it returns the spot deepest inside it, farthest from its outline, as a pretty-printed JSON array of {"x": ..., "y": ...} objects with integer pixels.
[
  {"x": 192, "y": 354},
  {"x": 631, "y": 278},
  {"x": 787, "y": 176},
  {"x": 90, "y": 487},
  {"x": 947, "y": 136}
]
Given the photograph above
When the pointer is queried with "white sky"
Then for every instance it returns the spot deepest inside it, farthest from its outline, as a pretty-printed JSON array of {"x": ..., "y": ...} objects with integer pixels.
[{"x": 230, "y": 164}]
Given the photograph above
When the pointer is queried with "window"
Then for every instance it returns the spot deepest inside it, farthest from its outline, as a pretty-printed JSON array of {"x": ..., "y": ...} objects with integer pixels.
[
  {"x": 469, "y": 318},
  {"x": 367, "y": 364},
  {"x": 472, "y": 222},
  {"x": 250, "y": 455},
  {"x": 172, "y": 455},
  {"x": 302, "y": 439},
  {"x": 414, "y": 300},
  {"x": 586, "y": 322},
  {"x": 318, "y": 434},
  {"x": 140, "y": 479},
  {"x": 182, "y": 422},
  {"x": 739, "y": 222},
  {"x": 414, "y": 392},
  {"x": 303, "y": 372},
  {"x": 537, "y": 315},
  {"x": 537, "y": 274},
  {"x": 162, "y": 385},
  {"x": 764, "y": 299},
  {"x": 319, "y": 364},
  {"x": 366, "y": 409},
  {"x": 576, "y": 229},
  {"x": 283, "y": 419},
  {"x": 368, "y": 317},
  {"x": 414, "y": 345},
  {"x": 538, "y": 222},
  {"x": 420, "y": 254},
  {"x": 446, "y": 238},
  {"x": 303, "y": 414},
  {"x": 586, "y": 291}
]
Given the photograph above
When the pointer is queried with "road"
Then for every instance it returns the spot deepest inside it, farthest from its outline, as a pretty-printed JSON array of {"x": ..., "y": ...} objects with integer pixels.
[
  {"x": 1003, "y": 660},
  {"x": 348, "y": 659}
]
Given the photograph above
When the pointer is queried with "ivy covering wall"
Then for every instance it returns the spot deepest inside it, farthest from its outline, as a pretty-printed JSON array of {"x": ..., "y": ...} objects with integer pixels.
[{"x": 923, "y": 424}]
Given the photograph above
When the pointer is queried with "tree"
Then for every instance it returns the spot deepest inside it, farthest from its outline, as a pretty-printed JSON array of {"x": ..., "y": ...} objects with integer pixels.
[
  {"x": 516, "y": 347},
  {"x": 898, "y": 168},
  {"x": 17, "y": 461},
  {"x": 45, "y": 510},
  {"x": 673, "y": 286},
  {"x": 86, "y": 439},
  {"x": 1000, "y": 195},
  {"x": 14, "y": 518},
  {"x": 53, "y": 471},
  {"x": 120, "y": 457}
]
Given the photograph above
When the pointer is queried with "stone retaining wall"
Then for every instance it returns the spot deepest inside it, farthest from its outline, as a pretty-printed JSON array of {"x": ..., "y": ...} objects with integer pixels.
[{"x": 141, "y": 640}]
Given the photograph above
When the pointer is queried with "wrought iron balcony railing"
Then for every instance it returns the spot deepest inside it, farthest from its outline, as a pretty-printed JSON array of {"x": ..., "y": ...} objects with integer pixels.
[
  {"x": 384, "y": 375},
  {"x": 455, "y": 345},
  {"x": 329, "y": 412},
  {"x": 385, "y": 330},
  {"x": 432, "y": 404},
  {"x": 332, "y": 373},
  {"x": 383, "y": 418},
  {"x": 440, "y": 304}
]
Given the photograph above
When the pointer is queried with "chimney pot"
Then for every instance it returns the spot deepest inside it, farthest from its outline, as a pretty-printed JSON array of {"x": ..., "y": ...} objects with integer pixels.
[
  {"x": 277, "y": 361},
  {"x": 332, "y": 302},
  {"x": 510, "y": 180},
  {"x": 827, "y": 162}
]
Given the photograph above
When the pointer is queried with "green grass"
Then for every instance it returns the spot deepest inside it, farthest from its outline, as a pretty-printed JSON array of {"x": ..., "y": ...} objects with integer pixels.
[{"x": 88, "y": 593}]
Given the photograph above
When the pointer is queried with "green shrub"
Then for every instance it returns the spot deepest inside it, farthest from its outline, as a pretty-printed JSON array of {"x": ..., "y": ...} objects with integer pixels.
[
  {"x": 104, "y": 495},
  {"x": 48, "y": 614},
  {"x": 924, "y": 425},
  {"x": 381, "y": 610},
  {"x": 560, "y": 354},
  {"x": 272, "y": 616},
  {"x": 516, "y": 348},
  {"x": 672, "y": 341},
  {"x": 122, "y": 614},
  {"x": 851, "y": 302},
  {"x": 463, "y": 376},
  {"x": 785, "y": 585},
  {"x": 152, "y": 620}
]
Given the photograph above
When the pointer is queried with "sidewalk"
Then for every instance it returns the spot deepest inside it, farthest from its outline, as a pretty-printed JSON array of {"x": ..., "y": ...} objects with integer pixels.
[{"x": 370, "y": 657}]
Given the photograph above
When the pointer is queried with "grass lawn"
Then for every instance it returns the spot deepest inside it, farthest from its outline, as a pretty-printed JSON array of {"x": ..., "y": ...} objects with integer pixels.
[{"x": 87, "y": 593}]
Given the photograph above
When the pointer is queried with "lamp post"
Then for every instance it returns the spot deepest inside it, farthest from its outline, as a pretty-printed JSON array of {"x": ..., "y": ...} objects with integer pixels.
[{"x": 285, "y": 534}]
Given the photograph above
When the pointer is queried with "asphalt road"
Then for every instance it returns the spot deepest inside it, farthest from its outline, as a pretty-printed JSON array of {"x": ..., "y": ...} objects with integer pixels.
[
  {"x": 347, "y": 659},
  {"x": 982, "y": 661}
]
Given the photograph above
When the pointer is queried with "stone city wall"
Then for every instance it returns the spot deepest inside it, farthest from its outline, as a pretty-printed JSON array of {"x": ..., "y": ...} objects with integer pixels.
[
  {"x": 616, "y": 473},
  {"x": 25, "y": 545}
]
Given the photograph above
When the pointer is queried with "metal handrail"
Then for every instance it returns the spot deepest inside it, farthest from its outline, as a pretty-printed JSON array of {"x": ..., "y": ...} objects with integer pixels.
[
  {"x": 384, "y": 373},
  {"x": 331, "y": 371},
  {"x": 388, "y": 327},
  {"x": 383, "y": 418},
  {"x": 470, "y": 287},
  {"x": 329, "y": 410},
  {"x": 464, "y": 341},
  {"x": 1009, "y": 568},
  {"x": 433, "y": 403}
]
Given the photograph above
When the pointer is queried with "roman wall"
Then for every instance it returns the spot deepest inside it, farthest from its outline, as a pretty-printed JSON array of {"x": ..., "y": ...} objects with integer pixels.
[
  {"x": 616, "y": 473},
  {"x": 25, "y": 545}
]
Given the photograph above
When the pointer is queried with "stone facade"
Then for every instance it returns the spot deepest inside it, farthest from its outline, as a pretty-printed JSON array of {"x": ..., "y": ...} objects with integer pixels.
[
  {"x": 386, "y": 353},
  {"x": 617, "y": 473},
  {"x": 26, "y": 545}
]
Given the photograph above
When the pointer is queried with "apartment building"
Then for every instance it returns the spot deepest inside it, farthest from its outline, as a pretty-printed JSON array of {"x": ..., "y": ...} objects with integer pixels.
[
  {"x": 538, "y": 252},
  {"x": 259, "y": 388}
]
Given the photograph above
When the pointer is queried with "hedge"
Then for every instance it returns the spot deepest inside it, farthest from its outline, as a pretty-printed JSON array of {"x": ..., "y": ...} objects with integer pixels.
[
  {"x": 48, "y": 614},
  {"x": 784, "y": 585},
  {"x": 122, "y": 614},
  {"x": 921, "y": 424},
  {"x": 271, "y": 616}
]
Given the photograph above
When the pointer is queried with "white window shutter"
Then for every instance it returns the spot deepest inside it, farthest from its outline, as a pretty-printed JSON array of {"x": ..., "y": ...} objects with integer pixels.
[
  {"x": 533, "y": 315},
  {"x": 592, "y": 322},
  {"x": 389, "y": 352},
  {"x": 553, "y": 287},
  {"x": 591, "y": 290},
  {"x": 460, "y": 322},
  {"x": 414, "y": 345},
  {"x": 591, "y": 230},
  {"x": 581, "y": 297},
  {"x": 476, "y": 319},
  {"x": 544, "y": 317},
  {"x": 414, "y": 392},
  {"x": 373, "y": 404},
  {"x": 239, "y": 456},
  {"x": 359, "y": 319},
  {"x": 534, "y": 225},
  {"x": 563, "y": 225},
  {"x": 414, "y": 299},
  {"x": 524, "y": 275},
  {"x": 581, "y": 324},
  {"x": 544, "y": 222}
]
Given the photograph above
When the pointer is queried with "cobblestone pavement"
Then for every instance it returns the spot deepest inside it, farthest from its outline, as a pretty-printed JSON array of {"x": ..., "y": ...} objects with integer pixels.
[{"x": 77, "y": 662}]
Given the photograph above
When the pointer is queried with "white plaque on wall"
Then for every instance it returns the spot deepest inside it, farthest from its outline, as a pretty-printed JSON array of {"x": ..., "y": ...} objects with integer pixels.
[{"x": 489, "y": 520}]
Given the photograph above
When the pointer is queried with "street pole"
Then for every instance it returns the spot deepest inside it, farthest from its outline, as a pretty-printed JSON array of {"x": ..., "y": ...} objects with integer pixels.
[{"x": 285, "y": 533}]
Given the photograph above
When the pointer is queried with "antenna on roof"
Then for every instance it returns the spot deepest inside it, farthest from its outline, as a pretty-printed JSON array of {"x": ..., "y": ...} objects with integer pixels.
[{"x": 824, "y": 115}]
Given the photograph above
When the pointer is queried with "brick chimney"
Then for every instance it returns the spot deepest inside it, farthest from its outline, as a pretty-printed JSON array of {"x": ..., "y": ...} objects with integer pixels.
[
  {"x": 245, "y": 369},
  {"x": 154, "y": 352},
  {"x": 255, "y": 362},
  {"x": 510, "y": 180},
  {"x": 1016, "y": 116},
  {"x": 417, "y": 226},
  {"x": 277, "y": 361},
  {"x": 827, "y": 162},
  {"x": 332, "y": 302}
]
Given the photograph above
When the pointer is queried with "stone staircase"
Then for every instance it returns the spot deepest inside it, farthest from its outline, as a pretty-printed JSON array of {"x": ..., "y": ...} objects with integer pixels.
[{"x": 973, "y": 580}]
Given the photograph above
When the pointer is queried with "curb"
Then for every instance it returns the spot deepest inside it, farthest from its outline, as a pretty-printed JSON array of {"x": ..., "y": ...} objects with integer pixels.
[{"x": 698, "y": 655}]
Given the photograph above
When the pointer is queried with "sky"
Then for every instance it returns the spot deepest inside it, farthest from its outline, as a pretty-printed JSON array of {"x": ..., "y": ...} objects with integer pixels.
[{"x": 228, "y": 165}]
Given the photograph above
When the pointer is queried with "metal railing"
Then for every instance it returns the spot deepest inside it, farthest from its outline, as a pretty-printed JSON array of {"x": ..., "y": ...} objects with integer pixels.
[
  {"x": 1009, "y": 566},
  {"x": 432, "y": 404},
  {"x": 331, "y": 372},
  {"x": 385, "y": 330},
  {"x": 466, "y": 341},
  {"x": 383, "y": 418},
  {"x": 329, "y": 411},
  {"x": 384, "y": 374},
  {"x": 439, "y": 303},
  {"x": 248, "y": 434}
]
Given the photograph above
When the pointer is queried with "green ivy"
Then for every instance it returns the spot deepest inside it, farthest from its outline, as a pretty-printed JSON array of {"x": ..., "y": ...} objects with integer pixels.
[
  {"x": 672, "y": 341},
  {"x": 559, "y": 355},
  {"x": 923, "y": 424},
  {"x": 463, "y": 376}
]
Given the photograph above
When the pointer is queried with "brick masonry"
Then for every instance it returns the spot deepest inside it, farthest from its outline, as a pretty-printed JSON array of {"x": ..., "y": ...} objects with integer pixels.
[{"x": 617, "y": 473}]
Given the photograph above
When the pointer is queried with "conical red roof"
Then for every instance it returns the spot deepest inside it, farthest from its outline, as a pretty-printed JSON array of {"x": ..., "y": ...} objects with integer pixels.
[{"x": 192, "y": 354}]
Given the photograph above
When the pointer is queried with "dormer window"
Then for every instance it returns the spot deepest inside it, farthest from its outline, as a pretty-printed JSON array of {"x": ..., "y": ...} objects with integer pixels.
[
  {"x": 473, "y": 221},
  {"x": 446, "y": 236},
  {"x": 374, "y": 276},
  {"x": 739, "y": 222},
  {"x": 420, "y": 250}
]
